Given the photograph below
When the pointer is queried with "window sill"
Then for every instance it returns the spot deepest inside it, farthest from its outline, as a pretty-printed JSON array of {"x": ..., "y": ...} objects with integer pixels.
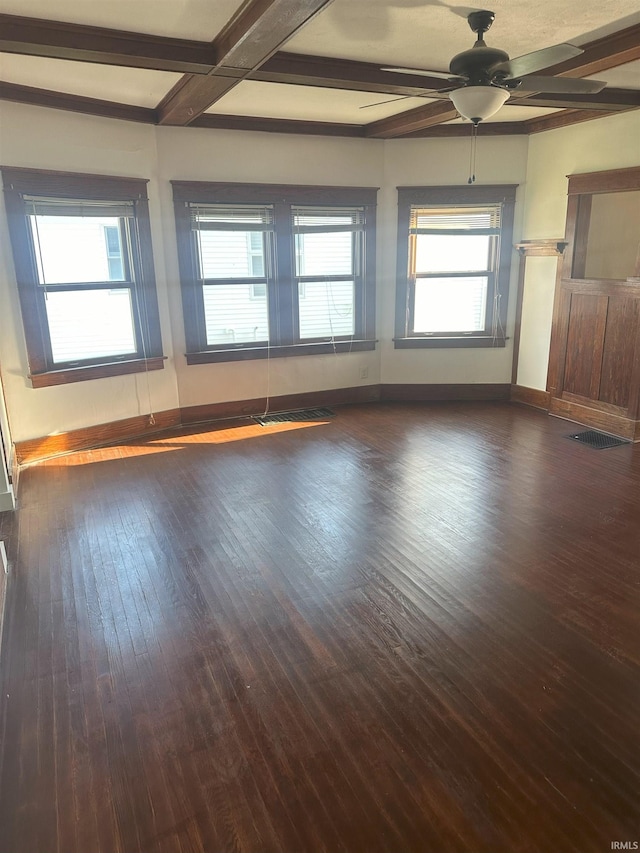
[
  {"x": 250, "y": 353},
  {"x": 434, "y": 342},
  {"x": 95, "y": 371}
]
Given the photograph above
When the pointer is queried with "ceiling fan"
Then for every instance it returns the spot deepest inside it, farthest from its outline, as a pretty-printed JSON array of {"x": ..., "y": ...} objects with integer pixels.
[{"x": 482, "y": 78}]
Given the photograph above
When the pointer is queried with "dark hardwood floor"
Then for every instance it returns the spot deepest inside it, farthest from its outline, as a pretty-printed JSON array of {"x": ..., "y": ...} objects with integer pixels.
[{"x": 410, "y": 628}]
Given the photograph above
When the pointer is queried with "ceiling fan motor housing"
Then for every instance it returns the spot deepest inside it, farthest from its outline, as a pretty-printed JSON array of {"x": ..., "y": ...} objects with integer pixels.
[{"x": 477, "y": 63}]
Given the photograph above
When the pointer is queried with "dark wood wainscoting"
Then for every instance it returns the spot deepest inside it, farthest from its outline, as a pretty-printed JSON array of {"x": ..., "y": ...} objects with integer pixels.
[
  {"x": 594, "y": 358},
  {"x": 594, "y": 375},
  {"x": 530, "y": 397}
]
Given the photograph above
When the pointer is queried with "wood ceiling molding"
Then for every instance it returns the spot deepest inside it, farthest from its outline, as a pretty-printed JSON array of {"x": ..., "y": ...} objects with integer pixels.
[
  {"x": 487, "y": 128},
  {"x": 277, "y": 125},
  {"x": 602, "y": 54},
  {"x": 249, "y": 48},
  {"x": 564, "y": 118},
  {"x": 248, "y": 40},
  {"x": 75, "y": 103},
  {"x": 57, "y": 40},
  {"x": 411, "y": 120},
  {"x": 302, "y": 70}
]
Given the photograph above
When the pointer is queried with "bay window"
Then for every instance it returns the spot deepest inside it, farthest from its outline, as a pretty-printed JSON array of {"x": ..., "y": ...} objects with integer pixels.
[{"x": 273, "y": 270}]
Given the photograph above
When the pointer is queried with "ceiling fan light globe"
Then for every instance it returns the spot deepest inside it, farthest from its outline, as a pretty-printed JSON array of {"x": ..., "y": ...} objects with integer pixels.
[{"x": 478, "y": 103}]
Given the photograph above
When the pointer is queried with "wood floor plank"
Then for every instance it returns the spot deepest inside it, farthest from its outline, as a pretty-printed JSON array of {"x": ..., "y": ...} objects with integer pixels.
[{"x": 413, "y": 627}]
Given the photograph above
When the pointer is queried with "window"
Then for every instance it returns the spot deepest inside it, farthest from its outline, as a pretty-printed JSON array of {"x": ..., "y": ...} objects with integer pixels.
[
  {"x": 273, "y": 270},
  {"x": 328, "y": 256},
  {"x": 453, "y": 265},
  {"x": 115, "y": 258},
  {"x": 83, "y": 260}
]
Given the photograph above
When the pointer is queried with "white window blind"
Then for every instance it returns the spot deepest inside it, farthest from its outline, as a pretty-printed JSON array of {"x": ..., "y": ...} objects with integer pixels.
[
  {"x": 452, "y": 266},
  {"x": 89, "y": 324},
  {"x": 80, "y": 249},
  {"x": 40, "y": 206},
  {"x": 454, "y": 218},
  {"x": 73, "y": 250},
  {"x": 328, "y": 242},
  {"x": 233, "y": 249}
]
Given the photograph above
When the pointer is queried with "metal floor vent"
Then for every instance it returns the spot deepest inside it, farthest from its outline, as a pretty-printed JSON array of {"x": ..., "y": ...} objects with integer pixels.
[
  {"x": 292, "y": 417},
  {"x": 598, "y": 440}
]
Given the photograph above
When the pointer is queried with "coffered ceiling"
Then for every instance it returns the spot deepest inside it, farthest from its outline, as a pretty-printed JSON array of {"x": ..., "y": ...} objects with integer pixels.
[{"x": 305, "y": 66}]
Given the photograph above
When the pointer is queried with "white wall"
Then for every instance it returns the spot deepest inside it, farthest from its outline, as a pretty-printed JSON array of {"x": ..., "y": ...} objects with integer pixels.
[
  {"x": 606, "y": 143},
  {"x": 47, "y": 139},
  {"x": 7, "y": 500},
  {"x": 424, "y": 162},
  {"x": 191, "y": 155}
]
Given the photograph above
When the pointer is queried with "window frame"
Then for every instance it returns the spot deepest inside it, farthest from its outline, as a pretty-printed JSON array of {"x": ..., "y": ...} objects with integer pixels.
[
  {"x": 283, "y": 297},
  {"x": 355, "y": 275},
  {"x": 43, "y": 372},
  {"x": 463, "y": 196}
]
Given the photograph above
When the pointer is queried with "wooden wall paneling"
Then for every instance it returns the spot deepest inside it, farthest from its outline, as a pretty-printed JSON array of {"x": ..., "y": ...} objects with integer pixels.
[
  {"x": 618, "y": 355},
  {"x": 633, "y": 406},
  {"x": 585, "y": 343},
  {"x": 594, "y": 364},
  {"x": 558, "y": 345},
  {"x": 530, "y": 397},
  {"x": 577, "y": 258},
  {"x": 586, "y": 414},
  {"x": 597, "y": 405}
]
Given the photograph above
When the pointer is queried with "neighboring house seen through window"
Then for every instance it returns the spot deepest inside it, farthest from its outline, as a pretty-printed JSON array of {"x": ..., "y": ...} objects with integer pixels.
[
  {"x": 83, "y": 259},
  {"x": 454, "y": 267},
  {"x": 272, "y": 270}
]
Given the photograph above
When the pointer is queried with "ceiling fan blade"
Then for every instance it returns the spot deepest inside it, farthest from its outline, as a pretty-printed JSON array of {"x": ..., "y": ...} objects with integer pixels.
[
  {"x": 428, "y": 97},
  {"x": 529, "y": 63},
  {"x": 388, "y": 101},
  {"x": 559, "y": 85},
  {"x": 420, "y": 72}
]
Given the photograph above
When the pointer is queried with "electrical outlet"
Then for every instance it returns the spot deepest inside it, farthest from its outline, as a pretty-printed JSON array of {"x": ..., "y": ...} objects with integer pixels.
[{"x": 364, "y": 373}]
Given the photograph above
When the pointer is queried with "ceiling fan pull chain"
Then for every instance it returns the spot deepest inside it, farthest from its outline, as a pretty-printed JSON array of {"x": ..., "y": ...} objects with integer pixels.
[{"x": 472, "y": 153}]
